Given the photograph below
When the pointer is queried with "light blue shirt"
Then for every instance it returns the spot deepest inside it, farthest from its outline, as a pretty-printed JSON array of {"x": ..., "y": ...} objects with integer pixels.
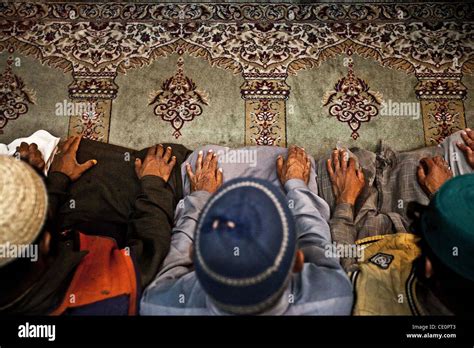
[{"x": 322, "y": 288}]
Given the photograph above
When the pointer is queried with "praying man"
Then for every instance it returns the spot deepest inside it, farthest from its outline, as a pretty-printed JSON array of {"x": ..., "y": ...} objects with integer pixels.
[{"x": 250, "y": 246}]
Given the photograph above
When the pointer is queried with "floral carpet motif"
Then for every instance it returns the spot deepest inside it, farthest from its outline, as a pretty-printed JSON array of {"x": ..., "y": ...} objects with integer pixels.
[
  {"x": 351, "y": 101},
  {"x": 264, "y": 43},
  {"x": 14, "y": 96},
  {"x": 178, "y": 101}
]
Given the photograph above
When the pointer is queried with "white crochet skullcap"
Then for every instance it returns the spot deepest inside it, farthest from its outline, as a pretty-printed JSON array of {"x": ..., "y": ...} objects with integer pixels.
[{"x": 23, "y": 204}]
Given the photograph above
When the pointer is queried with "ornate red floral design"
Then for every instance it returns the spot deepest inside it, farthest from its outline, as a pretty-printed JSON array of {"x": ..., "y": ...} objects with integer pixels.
[
  {"x": 90, "y": 123},
  {"x": 178, "y": 101},
  {"x": 97, "y": 40},
  {"x": 14, "y": 96},
  {"x": 265, "y": 123},
  {"x": 351, "y": 101},
  {"x": 445, "y": 122}
]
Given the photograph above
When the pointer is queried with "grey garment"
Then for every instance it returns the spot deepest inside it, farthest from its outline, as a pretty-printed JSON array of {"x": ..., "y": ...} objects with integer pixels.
[
  {"x": 454, "y": 156},
  {"x": 252, "y": 161},
  {"x": 322, "y": 288},
  {"x": 391, "y": 185}
]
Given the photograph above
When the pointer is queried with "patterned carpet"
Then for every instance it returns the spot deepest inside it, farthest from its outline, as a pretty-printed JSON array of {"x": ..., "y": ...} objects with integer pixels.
[{"x": 238, "y": 73}]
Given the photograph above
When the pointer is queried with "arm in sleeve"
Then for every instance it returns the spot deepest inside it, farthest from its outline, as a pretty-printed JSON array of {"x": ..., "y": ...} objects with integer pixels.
[
  {"x": 57, "y": 186},
  {"x": 311, "y": 215},
  {"x": 178, "y": 262},
  {"x": 343, "y": 231},
  {"x": 150, "y": 226}
]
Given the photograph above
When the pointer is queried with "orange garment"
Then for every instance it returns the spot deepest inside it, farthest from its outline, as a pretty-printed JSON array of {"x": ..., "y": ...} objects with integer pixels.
[{"x": 104, "y": 273}]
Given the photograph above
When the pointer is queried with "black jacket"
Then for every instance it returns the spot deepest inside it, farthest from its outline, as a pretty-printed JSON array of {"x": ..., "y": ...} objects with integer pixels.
[{"x": 107, "y": 200}]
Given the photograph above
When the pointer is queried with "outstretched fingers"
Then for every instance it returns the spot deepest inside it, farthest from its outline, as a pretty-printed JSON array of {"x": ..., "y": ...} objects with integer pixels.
[{"x": 189, "y": 171}]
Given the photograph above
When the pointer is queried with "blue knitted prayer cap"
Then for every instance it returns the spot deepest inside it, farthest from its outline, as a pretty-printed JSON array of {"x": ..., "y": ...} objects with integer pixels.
[
  {"x": 448, "y": 225},
  {"x": 245, "y": 245}
]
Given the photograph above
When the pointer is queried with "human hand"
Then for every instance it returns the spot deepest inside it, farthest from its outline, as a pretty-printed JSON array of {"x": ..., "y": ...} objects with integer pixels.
[
  {"x": 468, "y": 146},
  {"x": 158, "y": 162},
  {"x": 432, "y": 174},
  {"x": 297, "y": 165},
  {"x": 207, "y": 176},
  {"x": 31, "y": 155},
  {"x": 65, "y": 159},
  {"x": 347, "y": 181}
]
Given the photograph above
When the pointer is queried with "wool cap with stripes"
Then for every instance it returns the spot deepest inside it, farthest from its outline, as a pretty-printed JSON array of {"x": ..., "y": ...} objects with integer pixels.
[{"x": 245, "y": 245}]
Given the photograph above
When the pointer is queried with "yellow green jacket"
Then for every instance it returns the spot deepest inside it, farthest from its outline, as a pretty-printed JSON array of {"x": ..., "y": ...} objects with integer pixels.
[{"x": 385, "y": 281}]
